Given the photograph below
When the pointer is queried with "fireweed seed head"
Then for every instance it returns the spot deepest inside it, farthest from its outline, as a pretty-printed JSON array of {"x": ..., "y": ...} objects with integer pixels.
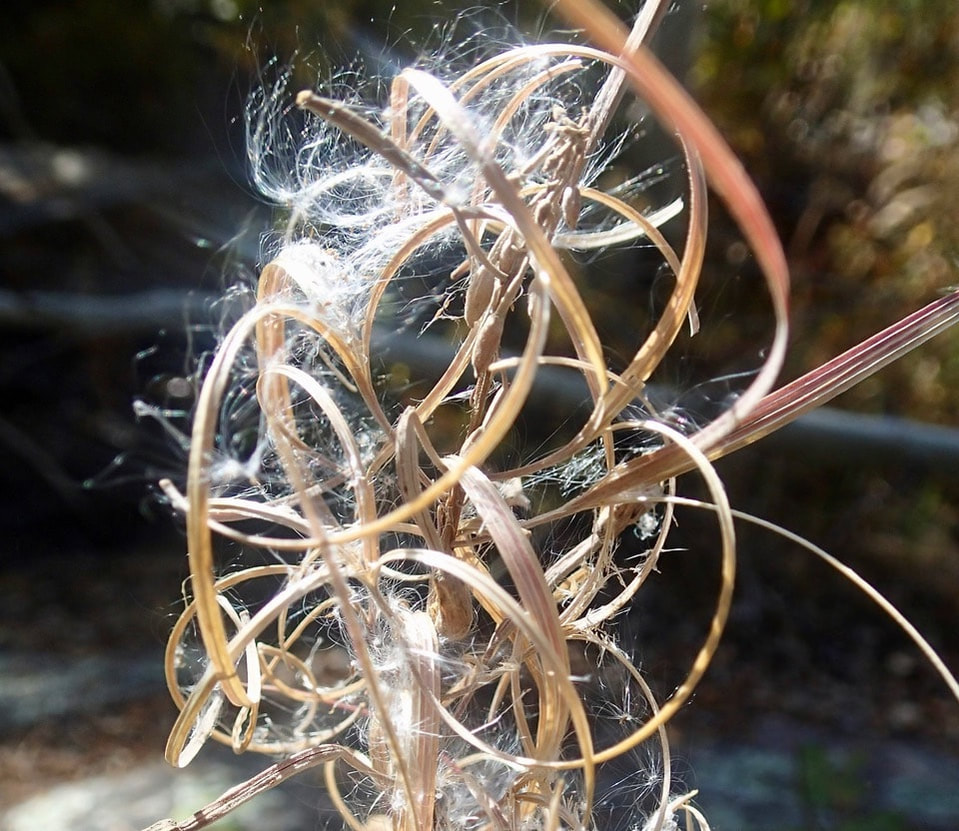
[
  {"x": 462, "y": 175},
  {"x": 430, "y": 615}
]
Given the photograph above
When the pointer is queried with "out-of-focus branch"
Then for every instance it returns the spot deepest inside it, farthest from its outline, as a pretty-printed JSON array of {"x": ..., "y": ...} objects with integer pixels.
[{"x": 827, "y": 434}]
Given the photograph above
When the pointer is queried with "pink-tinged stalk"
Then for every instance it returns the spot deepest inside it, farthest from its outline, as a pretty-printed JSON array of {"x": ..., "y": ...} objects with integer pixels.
[{"x": 783, "y": 405}]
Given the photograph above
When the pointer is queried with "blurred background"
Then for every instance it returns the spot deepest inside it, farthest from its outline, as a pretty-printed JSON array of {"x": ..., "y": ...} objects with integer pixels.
[{"x": 126, "y": 211}]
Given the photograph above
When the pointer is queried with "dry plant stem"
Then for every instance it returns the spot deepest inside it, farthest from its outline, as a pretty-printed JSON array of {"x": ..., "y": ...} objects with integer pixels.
[
  {"x": 274, "y": 775},
  {"x": 843, "y": 372},
  {"x": 422, "y": 749},
  {"x": 361, "y": 129},
  {"x": 504, "y": 607},
  {"x": 611, "y": 93},
  {"x": 562, "y": 291},
  {"x": 508, "y": 609},
  {"x": 523, "y": 564},
  {"x": 548, "y": 268},
  {"x": 779, "y": 408}
]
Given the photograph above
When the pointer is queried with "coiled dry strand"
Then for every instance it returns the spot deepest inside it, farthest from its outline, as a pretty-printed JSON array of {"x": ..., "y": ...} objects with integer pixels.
[{"x": 404, "y": 624}]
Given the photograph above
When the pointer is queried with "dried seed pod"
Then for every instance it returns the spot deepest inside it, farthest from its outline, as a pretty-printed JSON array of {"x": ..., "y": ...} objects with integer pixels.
[
  {"x": 487, "y": 342},
  {"x": 571, "y": 204},
  {"x": 479, "y": 292},
  {"x": 451, "y": 607}
]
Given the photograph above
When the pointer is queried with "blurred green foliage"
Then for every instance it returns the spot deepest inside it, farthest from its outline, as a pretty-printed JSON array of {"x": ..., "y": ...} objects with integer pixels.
[
  {"x": 848, "y": 115},
  {"x": 836, "y": 794}
]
